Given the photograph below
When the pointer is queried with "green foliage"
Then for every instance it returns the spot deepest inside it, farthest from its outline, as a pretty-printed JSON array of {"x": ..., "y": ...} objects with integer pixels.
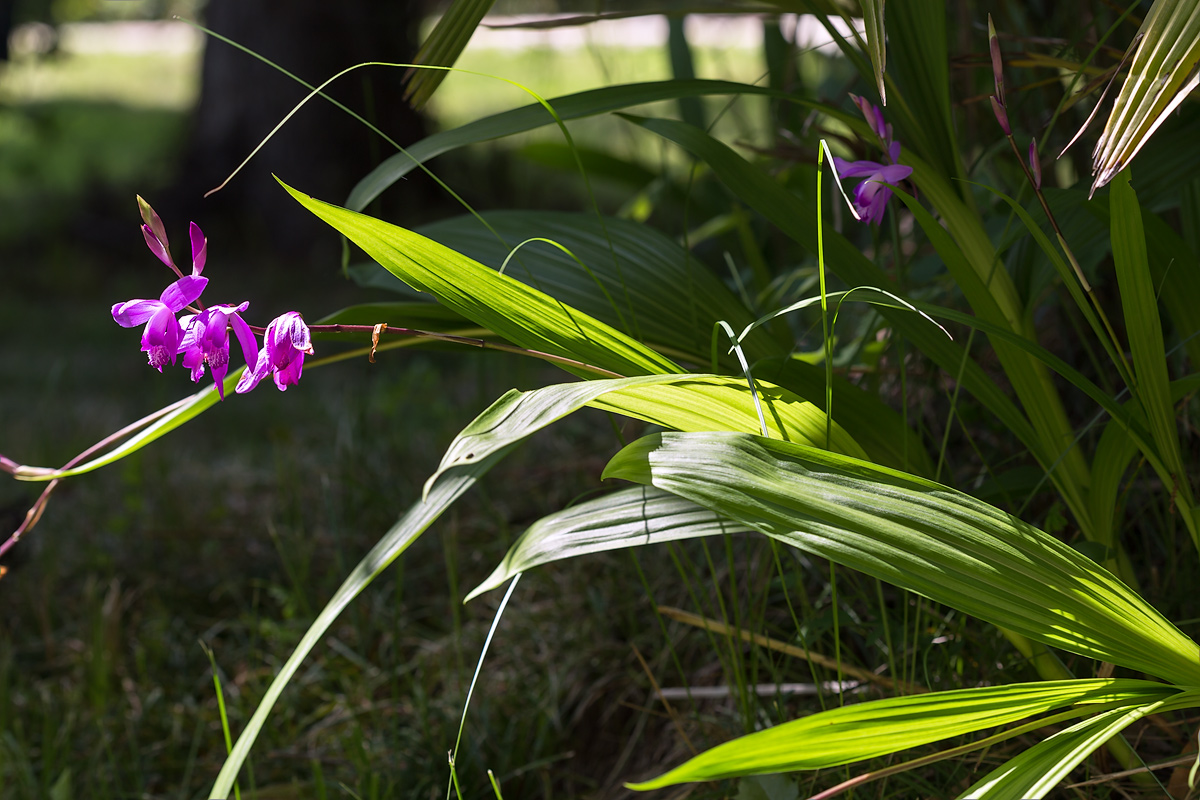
[{"x": 852, "y": 446}]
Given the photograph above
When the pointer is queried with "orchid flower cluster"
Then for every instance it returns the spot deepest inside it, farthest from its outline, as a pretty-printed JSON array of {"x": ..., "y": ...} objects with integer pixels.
[
  {"x": 202, "y": 336},
  {"x": 871, "y": 195}
]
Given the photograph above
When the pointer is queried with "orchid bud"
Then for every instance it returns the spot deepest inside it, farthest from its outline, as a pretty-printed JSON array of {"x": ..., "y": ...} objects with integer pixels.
[
  {"x": 1035, "y": 164},
  {"x": 1001, "y": 116},
  {"x": 151, "y": 218},
  {"x": 155, "y": 232},
  {"x": 997, "y": 62}
]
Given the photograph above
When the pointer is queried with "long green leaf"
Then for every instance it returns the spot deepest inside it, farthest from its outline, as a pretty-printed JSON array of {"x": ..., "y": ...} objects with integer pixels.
[
  {"x": 515, "y": 312},
  {"x": 1036, "y": 771},
  {"x": 178, "y": 414},
  {"x": 920, "y": 536},
  {"x": 873, "y": 22},
  {"x": 682, "y": 402},
  {"x": 879, "y": 727},
  {"x": 386, "y": 550},
  {"x": 1144, "y": 328},
  {"x": 646, "y": 285},
  {"x": 445, "y": 44},
  {"x": 874, "y": 424},
  {"x": 628, "y": 518},
  {"x": 533, "y": 116}
]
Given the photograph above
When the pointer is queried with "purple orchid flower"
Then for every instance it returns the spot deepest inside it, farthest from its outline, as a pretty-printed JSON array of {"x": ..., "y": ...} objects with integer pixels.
[
  {"x": 285, "y": 344},
  {"x": 206, "y": 341},
  {"x": 163, "y": 333},
  {"x": 871, "y": 195}
]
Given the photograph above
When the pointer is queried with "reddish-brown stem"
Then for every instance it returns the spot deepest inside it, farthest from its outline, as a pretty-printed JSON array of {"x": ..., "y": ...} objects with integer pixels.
[
  {"x": 463, "y": 340},
  {"x": 35, "y": 512}
]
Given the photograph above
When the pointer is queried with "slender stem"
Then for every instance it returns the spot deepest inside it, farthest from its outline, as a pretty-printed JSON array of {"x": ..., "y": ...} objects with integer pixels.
[
  {"x": 464, "y": 340},
  {"x": 1127, "y": 372}
]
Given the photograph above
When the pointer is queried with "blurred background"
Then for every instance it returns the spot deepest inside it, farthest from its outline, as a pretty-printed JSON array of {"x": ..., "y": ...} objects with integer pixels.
[{"x": 233, "y": 532}]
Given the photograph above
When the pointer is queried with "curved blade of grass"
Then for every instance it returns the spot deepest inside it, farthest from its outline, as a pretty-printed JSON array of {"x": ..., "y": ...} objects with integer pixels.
[
  {"x": 918, "y": 535},
  {"x": 1139, "y": 302},
  {"x": 452, "y": 485},
  {"x": 533, "y": 116},
  {"x": 445, "y": 44},
  {"x": 1163, "y": 72},
  {"x": 515, "y": 312},
  {"x": 879, "y": 727},
  {"x": 628, "y": 518},
  {"x": 1039, "y": 769},
  {"x": 682, "y": 402}
]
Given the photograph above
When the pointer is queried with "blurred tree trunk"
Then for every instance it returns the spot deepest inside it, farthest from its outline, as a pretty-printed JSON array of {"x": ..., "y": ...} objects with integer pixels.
[{"x": 321, "y": 150}]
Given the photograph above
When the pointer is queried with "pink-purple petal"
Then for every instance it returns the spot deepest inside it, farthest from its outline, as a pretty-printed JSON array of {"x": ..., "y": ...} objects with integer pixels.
[
  {"x": 183, "y": 291},
  {"x": 134, "y": 312},
  {"x": 160, "y": 339},
  {"x": 894, "y": 173},
  {"x": 852, "y": 169},
  {"x": 157, "y": 247},
  {"x": 245, "y": 337},
  {"x": 254, "y": 375},
  {"x": 199, "y": 248}
]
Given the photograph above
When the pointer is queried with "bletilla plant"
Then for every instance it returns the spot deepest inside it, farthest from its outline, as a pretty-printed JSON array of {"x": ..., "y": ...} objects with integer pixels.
[
  {"x": 763, "y": 445},
  {"x": 202, "y": 337}
]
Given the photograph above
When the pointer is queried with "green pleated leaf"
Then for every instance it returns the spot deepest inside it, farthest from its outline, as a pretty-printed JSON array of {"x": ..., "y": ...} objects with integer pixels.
[
  {"x": 513, "y": 311},
  {"x": 533, "y": 116},
  {"x": 918, "y": 535},
  {"x": 1036, "y": 771},
  {"x": 682, "y": 402},
  {"x": 921, "y": 69},
  {"x": 1144, "y": 328},
  {"x": 879, "y": 727},
  {"x": 418, "y": 518},
  {"x": 628, "y": 518},
  {"x": 1162, "y": 73},
  {"x": 632, "y": 277},
  {"x": 445, "y": 44}
]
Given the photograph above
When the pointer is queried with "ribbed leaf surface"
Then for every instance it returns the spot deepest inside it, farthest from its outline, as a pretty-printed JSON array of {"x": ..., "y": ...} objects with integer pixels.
[{"x": 918, "y": 535}]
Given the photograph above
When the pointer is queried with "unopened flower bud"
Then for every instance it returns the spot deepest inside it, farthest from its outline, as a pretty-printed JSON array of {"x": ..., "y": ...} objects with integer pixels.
[
  {"x": 1001, "y": 116},
  {"x": 997, "y": 62}
]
